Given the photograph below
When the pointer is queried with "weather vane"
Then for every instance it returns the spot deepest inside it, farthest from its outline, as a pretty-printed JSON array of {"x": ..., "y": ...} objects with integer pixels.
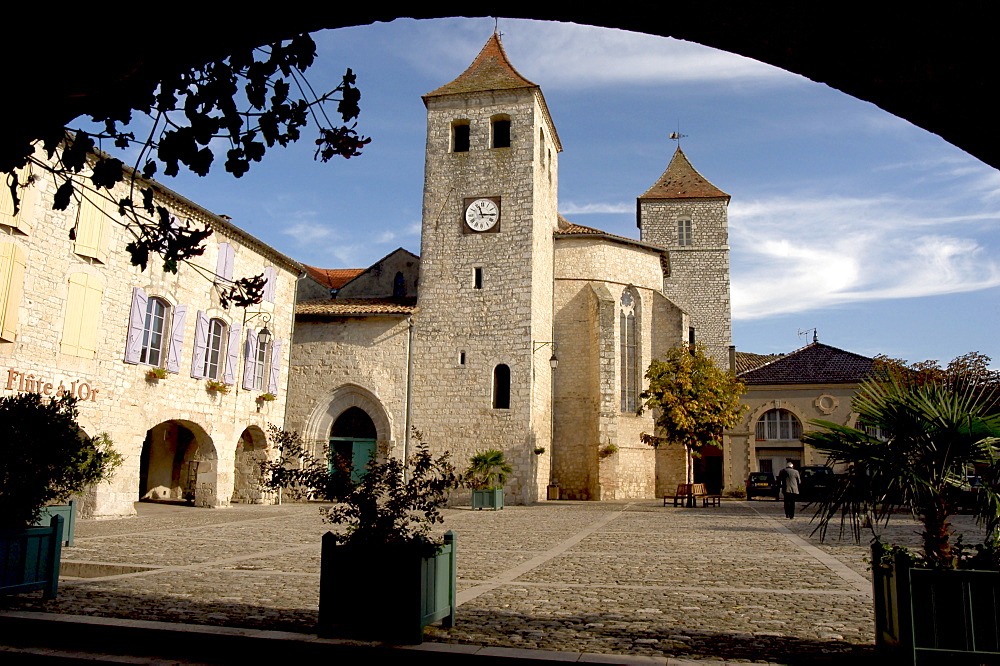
[{"x": 677, "y": 136}]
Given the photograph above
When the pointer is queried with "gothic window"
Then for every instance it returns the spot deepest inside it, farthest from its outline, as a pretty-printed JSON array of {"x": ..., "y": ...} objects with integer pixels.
[
  {"x": 500, "y": 126},
  {"x": 778, "y": 424},
  {"x": 460, "y": 136},
  {"x": 684, "y": 235},
  {"x": 629, "y": 342},
  {"x": 501, "y": 387}
]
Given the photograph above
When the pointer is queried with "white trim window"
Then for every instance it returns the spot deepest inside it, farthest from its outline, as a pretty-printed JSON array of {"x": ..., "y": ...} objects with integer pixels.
[
  {"x": 154, "y": 330},
  {"x": 778, "y": 425},
  {"x": 684, "y": 232}
]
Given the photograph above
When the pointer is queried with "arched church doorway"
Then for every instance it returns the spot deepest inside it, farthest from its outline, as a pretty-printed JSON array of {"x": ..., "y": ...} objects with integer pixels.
[
  {"x": 178, "y": 463},
  {"x": 251, "y": 452},
  {"x": 352, "y": 440}
]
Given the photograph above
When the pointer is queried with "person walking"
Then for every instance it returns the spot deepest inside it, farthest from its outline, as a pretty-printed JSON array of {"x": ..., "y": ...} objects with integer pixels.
[{"x": 790, "y": 479}]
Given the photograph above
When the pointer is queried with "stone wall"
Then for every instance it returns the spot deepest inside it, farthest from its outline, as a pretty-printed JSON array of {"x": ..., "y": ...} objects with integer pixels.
[
  {"x": 116, "y": 397},
  {"x": 378, "y": 281}
]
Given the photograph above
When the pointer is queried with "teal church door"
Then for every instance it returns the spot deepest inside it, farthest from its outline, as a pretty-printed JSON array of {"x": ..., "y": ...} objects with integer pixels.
[{"x": 353, "y": 439}]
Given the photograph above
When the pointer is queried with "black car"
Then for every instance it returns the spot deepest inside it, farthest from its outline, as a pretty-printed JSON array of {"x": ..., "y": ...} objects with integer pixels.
[
  {"x": 762, "y": 484},
  {"x": 817, "y": 481}
]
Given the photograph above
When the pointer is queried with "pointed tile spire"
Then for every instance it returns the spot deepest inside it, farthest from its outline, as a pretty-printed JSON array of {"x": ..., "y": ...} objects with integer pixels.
[
  {"x": 682, "y": 181},
  {"x": 491, "y": 70}
]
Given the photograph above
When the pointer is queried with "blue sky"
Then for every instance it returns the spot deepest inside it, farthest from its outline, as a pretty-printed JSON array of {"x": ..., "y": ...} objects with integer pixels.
[{"x": 843, "y": 217}]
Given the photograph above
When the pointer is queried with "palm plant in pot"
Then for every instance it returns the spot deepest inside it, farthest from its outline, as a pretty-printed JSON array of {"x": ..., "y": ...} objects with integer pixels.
[
  {"x": 45, "y": 457},
  {"x": 383, "y": 574},
  {"x": 486, "y": 475},
  {"x": 919, "y": 436}
]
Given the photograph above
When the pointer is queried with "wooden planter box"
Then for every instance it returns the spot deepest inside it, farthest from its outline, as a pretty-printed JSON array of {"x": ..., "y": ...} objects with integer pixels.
[
  {"x": 68, "y": 512},
  {"x": 29, "y": 558},
  {"x": 487, "y": 499},
  {"x": 383, "y": 594},
  {"x": 930, "y": 616}
]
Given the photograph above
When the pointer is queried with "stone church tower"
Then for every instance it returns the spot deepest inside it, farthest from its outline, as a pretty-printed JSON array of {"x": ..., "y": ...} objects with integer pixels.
[
  {"x": 687, "y": 214},
  {"x": 481, "y": 373}
]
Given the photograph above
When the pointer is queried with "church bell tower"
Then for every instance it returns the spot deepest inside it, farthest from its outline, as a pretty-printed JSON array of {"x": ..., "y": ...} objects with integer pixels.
[{"x": 481, "y": 373}]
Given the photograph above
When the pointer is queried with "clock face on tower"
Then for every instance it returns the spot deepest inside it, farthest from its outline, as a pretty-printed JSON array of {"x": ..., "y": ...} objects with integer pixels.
[{"x": 482, "y": 214}]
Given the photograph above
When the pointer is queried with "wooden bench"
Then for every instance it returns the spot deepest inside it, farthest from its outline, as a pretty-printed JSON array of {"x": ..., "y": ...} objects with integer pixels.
[{"x": 687, "y": 493}]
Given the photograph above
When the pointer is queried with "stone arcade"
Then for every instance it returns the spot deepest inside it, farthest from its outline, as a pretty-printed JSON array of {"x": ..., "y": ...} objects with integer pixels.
[{"x": 515, "y": 328}]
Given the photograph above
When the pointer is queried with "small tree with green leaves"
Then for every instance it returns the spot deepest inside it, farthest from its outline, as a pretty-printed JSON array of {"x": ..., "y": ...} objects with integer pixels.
[
  {"x": 692, "y": 401},
  {"x": 45, "y": 457},
  {"x": 487, "y": 470}
]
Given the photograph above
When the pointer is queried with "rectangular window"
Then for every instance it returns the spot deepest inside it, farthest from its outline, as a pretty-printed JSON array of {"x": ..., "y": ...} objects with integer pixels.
[
  {"x": 260, "y": 363},
  {"x": 83, "y": 307},
  {"x": 213, "y": 350},
  {"x": 684, "y": 235},
  {"x": 478, "y": 277},
  {"x": 461, "y": 358},
  {"x": 460, "y": 138},
  {"x": 501, "y": 134},
  {"x": 153, "y": 332}
]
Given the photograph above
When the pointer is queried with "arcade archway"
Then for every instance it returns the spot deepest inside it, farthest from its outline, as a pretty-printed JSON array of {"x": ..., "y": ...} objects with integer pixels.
[
  {"x": 251, "y": 453},
  {"x": 178, "y": 463}
]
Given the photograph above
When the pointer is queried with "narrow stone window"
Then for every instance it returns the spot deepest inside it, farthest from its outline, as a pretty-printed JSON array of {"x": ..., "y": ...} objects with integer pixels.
[
  {"x": 691, "y": 339},
  {"x": 629, "y": 345},
  {"x": 399, "y": 285},
  {"x": 684, "y": 235},
  {"x": 461, "y": 357},
  {"x": 477, "y": 277},
  {"x": 501, "y": 387},
  {"x": 460, "y": 136},
  {"x": 501, "y": 131}
]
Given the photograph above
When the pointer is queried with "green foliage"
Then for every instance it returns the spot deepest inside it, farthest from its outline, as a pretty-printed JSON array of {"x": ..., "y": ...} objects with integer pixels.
[
  {"x": 298, "y": 470},
  {"x": 389, "y": 510},
  {"x": 918, "y": 438},
  {"x": 692, "y": 400},
  {"x": 156, "y": 373},
  {"x": 607, "y": 451},
  {"x": 487, "y": 470},
  {"x": 243, "y": 103},
  {"x": 45, "y": 456},
  {"x": 216, "y": 386}
]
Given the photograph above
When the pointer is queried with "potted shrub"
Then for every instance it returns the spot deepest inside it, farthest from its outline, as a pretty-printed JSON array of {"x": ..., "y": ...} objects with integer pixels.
[
  {"x": 213, "y": 386},
  {"x": 487, "y": 473},
  {"x": 44, "y": 459},
  {"x": 156, "y": 374},
  {"x": 382, "y": 574},
  {"x": 918, "y": 437}
]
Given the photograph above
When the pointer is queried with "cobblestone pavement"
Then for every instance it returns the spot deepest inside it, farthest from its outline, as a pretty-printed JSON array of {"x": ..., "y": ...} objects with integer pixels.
[{"x": 738, "y": 583}]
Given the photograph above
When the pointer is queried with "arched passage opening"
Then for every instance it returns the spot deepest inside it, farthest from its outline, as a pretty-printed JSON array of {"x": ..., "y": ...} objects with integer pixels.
[
  {"x": 251, "y": 452},
  {"x": 178, "y": 463},
  {"x": 353, "y": 439}
]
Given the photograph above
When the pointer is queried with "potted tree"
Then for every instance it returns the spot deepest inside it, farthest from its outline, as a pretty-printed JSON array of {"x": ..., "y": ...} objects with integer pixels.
[
  {"x": 487, "y": 473},
  {"x": 919, "y": 435},
  {"x": 383, "y": 575},
  {"x": 44, "y": 459}
]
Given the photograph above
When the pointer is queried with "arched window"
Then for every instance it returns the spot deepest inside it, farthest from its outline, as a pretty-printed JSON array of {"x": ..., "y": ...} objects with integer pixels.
[
  {"x": 629, "y": 343},
  {"x": 460, "y": 136},
  {"x": 154, "y": 332},
  {"x": 778, "y": 424},
  {"x": 500, "y": 131},
  {"x": 501, "y": 387}
]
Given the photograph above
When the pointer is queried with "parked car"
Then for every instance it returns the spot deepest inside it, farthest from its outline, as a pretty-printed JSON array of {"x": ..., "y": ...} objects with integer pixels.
[
  {"x": 817, "y": 481},
  {"x": 762, "y": 484}
]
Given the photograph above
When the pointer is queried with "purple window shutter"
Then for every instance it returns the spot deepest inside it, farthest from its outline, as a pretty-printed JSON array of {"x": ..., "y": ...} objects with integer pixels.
[
  {"x": 230, "y": 260},
  {"x": 275, "y": 374},
  {"x": 232, "y": 355},
  {"x": 200, "y": 346},
  {"x": 176, "y": 338},
  {"x": 271, "y": 277},
  {"x": 224, "y": 265},
  {"x": 136, "y": 324},
  {"x": 249, "y": 359}
]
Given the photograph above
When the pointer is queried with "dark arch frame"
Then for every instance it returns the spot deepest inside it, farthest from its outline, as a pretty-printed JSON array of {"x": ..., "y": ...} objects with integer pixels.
[{"x": 933, "y": 71}]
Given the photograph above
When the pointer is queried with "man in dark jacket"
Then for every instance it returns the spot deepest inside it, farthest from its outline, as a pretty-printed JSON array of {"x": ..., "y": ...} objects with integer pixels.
[{"x": 790, "y": 479}]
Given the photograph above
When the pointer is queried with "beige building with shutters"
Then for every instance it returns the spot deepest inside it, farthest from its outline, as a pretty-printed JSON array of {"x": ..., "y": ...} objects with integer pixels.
[
  {"x": 515, "y": 329},
  {"x": 77, "y": 317}
]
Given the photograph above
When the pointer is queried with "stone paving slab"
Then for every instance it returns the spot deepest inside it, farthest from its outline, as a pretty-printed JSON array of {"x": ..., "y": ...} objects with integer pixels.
[{"x": 736, "y": 583}]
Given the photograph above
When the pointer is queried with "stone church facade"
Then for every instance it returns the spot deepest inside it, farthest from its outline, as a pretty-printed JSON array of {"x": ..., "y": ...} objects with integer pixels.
[{"x": 515, "y": 328}]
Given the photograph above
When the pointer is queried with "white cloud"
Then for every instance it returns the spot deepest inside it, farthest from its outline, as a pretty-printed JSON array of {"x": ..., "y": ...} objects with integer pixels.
[
  {"x": 307, "y": 233},
  {"x": 571, "y": 208},
  {"x": 801, "y": 254}
]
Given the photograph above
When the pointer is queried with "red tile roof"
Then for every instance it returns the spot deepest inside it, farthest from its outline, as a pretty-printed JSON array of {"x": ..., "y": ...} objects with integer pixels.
[
  {"x": 334, "y": 278},
  {"x": 682, "y": 181},
  {"x": 491, "y": 70},
  {"x": 815, "y": 363},
  {"x": 347, "y": 307}
]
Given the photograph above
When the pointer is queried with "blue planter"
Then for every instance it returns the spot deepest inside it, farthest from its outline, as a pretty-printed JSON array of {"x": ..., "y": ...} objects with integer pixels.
[
  {"x": 931, "y": 616},
  {"x": 385, "y": 595},
  {"x": 68, "y": 512},
  {"x": 487, "y": 499},
  {"x": 29, "y": 559}
]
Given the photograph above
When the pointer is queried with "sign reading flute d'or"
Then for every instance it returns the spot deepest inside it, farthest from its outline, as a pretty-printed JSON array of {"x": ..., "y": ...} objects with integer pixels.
[{"x": 29, "y": 383}]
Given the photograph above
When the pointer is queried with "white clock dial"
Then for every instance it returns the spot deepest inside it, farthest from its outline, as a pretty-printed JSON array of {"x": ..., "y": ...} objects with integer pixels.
[{"x": 482, "y": 214}]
